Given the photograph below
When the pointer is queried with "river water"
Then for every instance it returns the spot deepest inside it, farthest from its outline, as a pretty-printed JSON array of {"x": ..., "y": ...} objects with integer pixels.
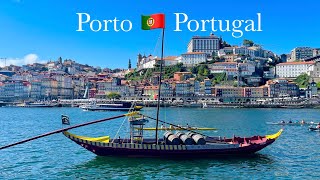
[{"x": 295, "y": 155}]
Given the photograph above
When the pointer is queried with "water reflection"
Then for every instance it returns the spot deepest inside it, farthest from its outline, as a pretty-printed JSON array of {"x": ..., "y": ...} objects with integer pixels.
[{"x": 156, "y": 167}]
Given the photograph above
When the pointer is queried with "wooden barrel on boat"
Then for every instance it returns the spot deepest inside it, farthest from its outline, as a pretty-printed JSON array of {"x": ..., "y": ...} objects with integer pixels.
[
  {"x": 184, "y": 138},
  {"x": 197, "y": 138},
  {"x": 171, "y": 139}
]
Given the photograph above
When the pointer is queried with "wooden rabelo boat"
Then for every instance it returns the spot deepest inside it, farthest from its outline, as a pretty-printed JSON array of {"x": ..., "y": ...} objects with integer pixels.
[
  {"x": 189, "y": 145},
  {"x": 184, "y": 143}
]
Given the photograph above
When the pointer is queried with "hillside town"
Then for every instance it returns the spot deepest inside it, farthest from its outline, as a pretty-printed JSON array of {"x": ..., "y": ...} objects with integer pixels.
[{"x": 210, "y": 69}]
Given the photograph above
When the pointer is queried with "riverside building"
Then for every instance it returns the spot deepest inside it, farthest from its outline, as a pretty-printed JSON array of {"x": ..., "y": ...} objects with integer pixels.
[{"x": 294, "y": 69}]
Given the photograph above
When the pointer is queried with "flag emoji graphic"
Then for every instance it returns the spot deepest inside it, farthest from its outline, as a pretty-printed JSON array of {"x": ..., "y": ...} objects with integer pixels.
[
  {"x": 65, "y": 119},
  {"x": 153, "y": 21}
]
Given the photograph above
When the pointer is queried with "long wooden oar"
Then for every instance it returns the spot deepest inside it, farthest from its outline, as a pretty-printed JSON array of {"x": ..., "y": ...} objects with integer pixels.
[
  {"x": 174, "y": 125},
  {"x": 61, "y": 130}
]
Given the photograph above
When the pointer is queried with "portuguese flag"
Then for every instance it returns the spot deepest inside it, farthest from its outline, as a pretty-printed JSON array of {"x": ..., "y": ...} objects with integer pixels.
[{"x": 153, "y": 21}]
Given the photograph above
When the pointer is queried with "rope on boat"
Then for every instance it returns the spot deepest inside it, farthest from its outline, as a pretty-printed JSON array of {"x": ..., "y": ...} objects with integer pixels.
[
  {"x": 174, "y": 125},
  {"x": 131, "y": 110},
  {"x": 124, "y": 120},
  {"x": 61, "y": 130}
]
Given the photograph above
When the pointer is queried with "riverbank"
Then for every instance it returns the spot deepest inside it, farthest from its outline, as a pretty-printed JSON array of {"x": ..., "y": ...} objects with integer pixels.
[{"x": 203, "y": 103}]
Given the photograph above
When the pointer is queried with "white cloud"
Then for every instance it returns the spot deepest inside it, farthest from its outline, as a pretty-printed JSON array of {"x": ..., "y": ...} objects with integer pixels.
[{"x": 28, "y": 59}]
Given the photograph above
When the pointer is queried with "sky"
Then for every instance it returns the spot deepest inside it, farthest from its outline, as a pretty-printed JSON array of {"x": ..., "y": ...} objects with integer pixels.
[{"x": 38, "y": 30}]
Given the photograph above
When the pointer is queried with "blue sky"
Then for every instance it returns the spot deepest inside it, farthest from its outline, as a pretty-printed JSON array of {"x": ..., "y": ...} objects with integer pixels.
[{"x": 38, "y": 30}]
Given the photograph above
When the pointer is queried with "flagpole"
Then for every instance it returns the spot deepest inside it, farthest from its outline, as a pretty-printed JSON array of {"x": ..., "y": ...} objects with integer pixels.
[{"x": 159, "y": 89}]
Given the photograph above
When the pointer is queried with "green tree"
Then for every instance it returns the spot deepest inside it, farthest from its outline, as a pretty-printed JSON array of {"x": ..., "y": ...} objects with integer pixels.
[
  {"x": 248, "y": 43},
  {"x": 129, "y": 64},
  {"x": 113, "y": 95},
  {"x": 302, "y": 80},
  {"x": 194, "y": 70},
  {"x": 60, "y": 60},
  {"x": 213, "y": 54},
  {"x": 225, "y": 44}
]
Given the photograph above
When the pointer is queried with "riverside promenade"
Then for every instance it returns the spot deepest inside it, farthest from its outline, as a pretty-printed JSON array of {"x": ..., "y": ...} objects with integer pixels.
[{"x": 207, "y": 102}]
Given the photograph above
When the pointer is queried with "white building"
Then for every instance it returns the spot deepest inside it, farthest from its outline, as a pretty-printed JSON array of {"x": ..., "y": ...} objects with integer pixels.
[
  {"x": 171, "y": 60},
  {"x": 237, "y": 51},
  {"x": 193, "y": 58},
  {"x": 206, "y": 44},
  {"x": 293, "y": 69},
  {"x": 150, "y": 61},
  {"x": 231, "y": 68}
]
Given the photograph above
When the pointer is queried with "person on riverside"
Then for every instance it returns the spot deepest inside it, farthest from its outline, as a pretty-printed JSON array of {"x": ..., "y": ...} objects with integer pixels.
[
  {"x": 318, "y": 126},
  {"x": 188, "y": 126},
  {"x": 303, "y": 122}
]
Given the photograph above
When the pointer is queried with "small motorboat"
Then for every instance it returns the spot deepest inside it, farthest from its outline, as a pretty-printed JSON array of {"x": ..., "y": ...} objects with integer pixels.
[
  {"x": 116, "y": 106},
  {"x": 314, "y": 129}
]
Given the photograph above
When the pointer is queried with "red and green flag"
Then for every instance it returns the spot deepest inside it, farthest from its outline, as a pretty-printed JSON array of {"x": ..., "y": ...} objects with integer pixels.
[{"x": 153, "y": 21}]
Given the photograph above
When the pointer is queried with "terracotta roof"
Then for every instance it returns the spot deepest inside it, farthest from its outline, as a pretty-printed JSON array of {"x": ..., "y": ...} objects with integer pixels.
[
  {"x": 182, "y": 73},
  {"x": 169, "y": 58},
  {"x": 151, "y": 87}
]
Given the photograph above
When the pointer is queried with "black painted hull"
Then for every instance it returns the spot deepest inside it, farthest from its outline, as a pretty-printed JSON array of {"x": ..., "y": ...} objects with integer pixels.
[{"x": 124, "y": 152}]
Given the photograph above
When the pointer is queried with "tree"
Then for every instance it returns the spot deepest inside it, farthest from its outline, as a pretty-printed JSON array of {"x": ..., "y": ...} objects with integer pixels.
[
  {"x": 194, "y": 70},
  {"x": 302, "y": 80},
  {"x": 60, "y": 60},
  {"x": 213, "y": 54},
  {"x": 129, "y": 65},
  {"x": 113, "y": 95},
  {"x": 248, "y": 43},
  {"x": 225, "y": 44}
]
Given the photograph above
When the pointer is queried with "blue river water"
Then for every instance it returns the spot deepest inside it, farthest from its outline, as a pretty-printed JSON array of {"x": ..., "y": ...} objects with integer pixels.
[{"x": 295, "y": 155}]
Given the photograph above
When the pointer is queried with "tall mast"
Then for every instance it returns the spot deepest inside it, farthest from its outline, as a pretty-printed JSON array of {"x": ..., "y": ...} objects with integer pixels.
[{"x": 159, "y": 89}]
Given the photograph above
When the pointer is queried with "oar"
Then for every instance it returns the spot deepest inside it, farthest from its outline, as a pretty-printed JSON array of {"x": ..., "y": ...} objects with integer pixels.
[
  {"x": 174, "y": 125},
  {"x": 61, "y": 130}
]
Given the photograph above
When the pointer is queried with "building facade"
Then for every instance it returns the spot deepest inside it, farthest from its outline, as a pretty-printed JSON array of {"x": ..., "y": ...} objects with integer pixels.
[
  {"x": 294, "y": 69},
  {"x": 301, "y": 53},
  {"x": 205, "y": 44}
]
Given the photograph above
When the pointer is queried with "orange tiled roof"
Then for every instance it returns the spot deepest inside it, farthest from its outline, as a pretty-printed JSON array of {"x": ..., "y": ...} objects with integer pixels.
[
  {"x": 183, "y": 73},
  {"x": 169, "y": 58}
]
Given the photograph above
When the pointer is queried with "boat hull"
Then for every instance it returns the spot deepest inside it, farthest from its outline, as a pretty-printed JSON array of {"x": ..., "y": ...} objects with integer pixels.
[
  {"x": 174, "y": 153},
  {"x": 227, "y": 147}
]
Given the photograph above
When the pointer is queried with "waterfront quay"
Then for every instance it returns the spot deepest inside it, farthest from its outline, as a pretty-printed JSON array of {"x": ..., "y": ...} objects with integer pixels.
[{"x": 205, "y": 102}]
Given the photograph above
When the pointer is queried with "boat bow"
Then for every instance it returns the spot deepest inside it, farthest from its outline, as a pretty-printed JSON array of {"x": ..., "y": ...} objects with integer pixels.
[{"x": 274, "y": 136}]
